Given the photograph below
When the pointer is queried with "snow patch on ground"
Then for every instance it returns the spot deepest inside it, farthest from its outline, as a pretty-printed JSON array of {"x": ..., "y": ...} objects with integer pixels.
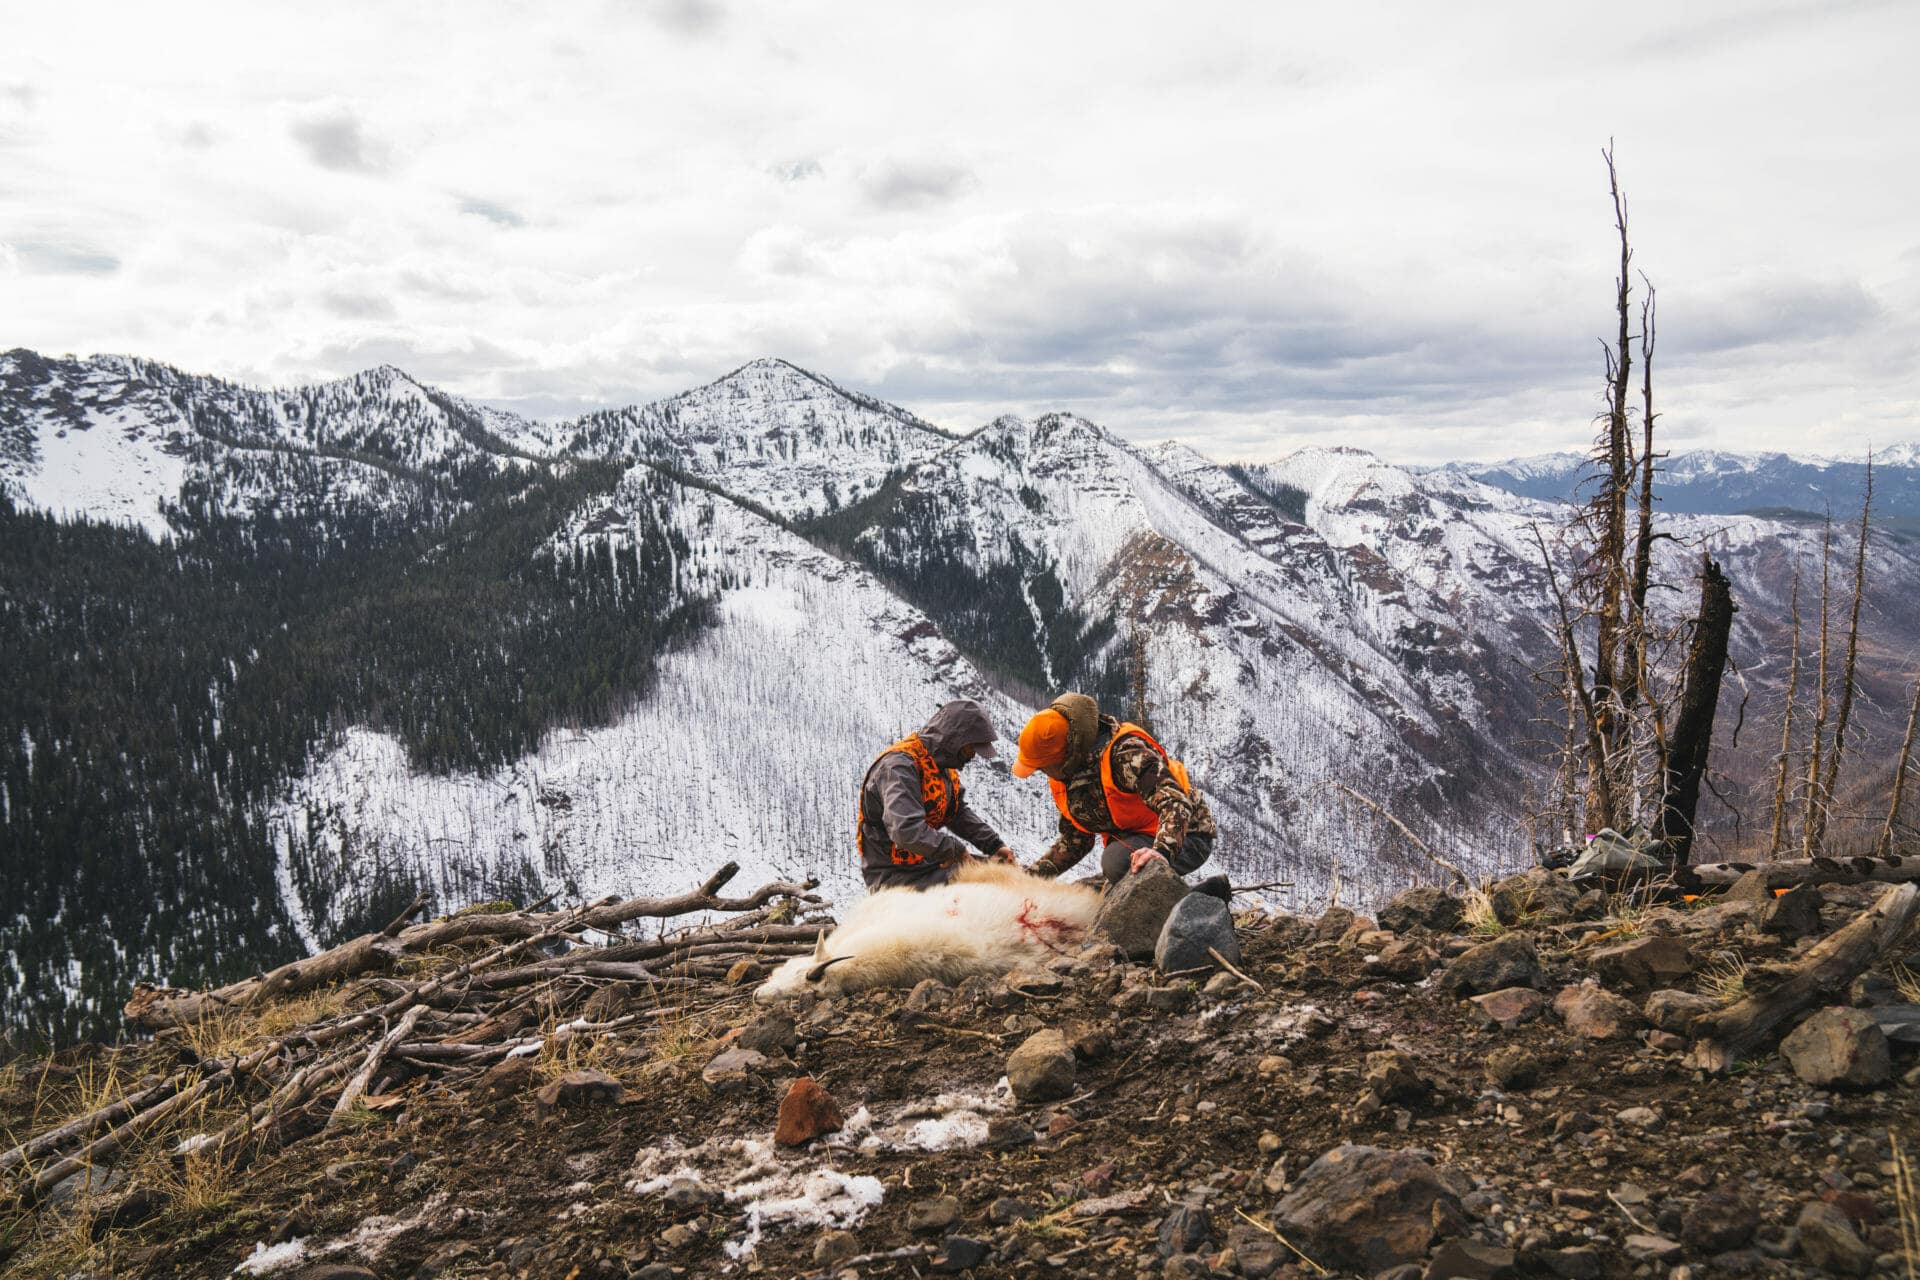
[
  {"x": 267, "y": 1259},
  {"x": 947, "y": 1122},
  {"x": 773, "y": 1188}
]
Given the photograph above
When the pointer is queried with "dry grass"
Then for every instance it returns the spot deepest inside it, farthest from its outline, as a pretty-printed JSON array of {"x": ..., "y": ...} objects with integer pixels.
[
  {"x": 309, "y": 1007},
  {"x": 1906, "y": 980},
  {"x": 1478, "y": 915},
  {"x": 1725, "y": 979},
  {"x": 222, "y": 1033},
  {"x": 1907, "y": 1198}
]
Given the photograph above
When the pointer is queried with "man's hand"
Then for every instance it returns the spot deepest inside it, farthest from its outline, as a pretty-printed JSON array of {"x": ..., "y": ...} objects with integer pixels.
[
  {"x": 1141, "y": 857},
  {"x": 1004, "y": 854},
  {"x": 1043, "y": 868}
]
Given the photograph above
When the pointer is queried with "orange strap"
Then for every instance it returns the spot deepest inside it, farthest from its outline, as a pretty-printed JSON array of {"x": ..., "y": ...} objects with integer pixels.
[{"x": 938, "y": 787}]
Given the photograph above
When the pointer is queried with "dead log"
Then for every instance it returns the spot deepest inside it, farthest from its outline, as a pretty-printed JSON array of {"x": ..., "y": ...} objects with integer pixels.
[
  {"x": 1893, "y": 869},
  {"x": 1821, "y": 975},
  {"x": 364, "y": 1076}
]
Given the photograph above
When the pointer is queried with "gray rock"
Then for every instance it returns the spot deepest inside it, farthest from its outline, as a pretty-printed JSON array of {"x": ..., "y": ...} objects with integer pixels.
[
  {"x": 934, "y": 1215},
  {"x": 834, "y": 1247},
  {"x": 1644, "y": 963},
  {"x": 1594, "y": 1014},
  {"x": 1259, "y": 1254},
  {"x": 1042, "y": 1068},
  {"x": 1794, "y": 914},
  {"x": 1839, "y": 1048},
  {"x": 1423, "y": 907},
  {"x": 1827, "y": 1239},
  {"x": 1507, "y": 961},
  {"x": 1579, "y": 1263},
  {"x": 1136, "y": 909},
  {"x": 771, "y": 1035},
  {"x": 1197, "y": 922},
  {"x": 1535, "y": 896},
  {"x": 1651, "y": 1248},
  {"x": 1675, "y": 1011},
  {"x": 1366, "y": 1209},
  {"x": 961, "y": 1253},
  {"x": 1470, "y": 1260},
  {"x": 1395, "y": 1076},
  {"x": 1404, "y": 960},
  {"x": 730, "y": 1067},
  {"x": 1184, "y": 1230}
]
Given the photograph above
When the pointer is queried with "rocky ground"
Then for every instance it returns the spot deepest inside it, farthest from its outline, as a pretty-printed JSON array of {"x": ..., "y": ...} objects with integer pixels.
[{"x": 1507, "y": 1094}]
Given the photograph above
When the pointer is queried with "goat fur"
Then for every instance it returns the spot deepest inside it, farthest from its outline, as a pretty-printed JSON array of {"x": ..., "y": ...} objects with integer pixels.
[{"x": 991, "y": 918}]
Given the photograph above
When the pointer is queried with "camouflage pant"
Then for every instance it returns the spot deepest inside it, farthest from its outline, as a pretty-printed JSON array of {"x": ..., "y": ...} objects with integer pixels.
[{"x": 1117, "y": 857}]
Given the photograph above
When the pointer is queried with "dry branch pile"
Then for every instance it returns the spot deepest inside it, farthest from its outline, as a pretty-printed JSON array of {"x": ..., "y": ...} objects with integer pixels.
[{"x": 449, "y": 997}]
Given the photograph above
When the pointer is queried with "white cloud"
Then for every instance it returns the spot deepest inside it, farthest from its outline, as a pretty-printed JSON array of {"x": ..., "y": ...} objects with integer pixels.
[{"x": 1246, "y": 225}]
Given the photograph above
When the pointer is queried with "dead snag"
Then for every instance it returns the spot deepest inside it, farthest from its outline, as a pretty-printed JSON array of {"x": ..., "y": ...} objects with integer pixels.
[
  {"x": 1786, "y": 726},
  {"x": 1813, "y": 824},
  {"x": 1722, "y": 1038},
  {"x": 1900, "y": 775},
  {"x": 1693, "y": 728},
  {"x": 1832, "y": 787}
]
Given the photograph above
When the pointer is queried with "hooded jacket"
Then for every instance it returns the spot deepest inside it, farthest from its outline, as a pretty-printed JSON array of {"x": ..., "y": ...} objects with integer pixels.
[
  {"x": 1138, "y": 769},
  {"x": 895, "y": 833}
]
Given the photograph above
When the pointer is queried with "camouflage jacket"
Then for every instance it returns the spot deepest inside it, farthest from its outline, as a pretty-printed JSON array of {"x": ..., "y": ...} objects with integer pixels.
[{"x": 1138, "y": 768}]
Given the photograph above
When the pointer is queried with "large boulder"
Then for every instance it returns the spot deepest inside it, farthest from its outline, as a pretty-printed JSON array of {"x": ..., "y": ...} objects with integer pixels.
[
  {"x": 1507, "y": 961},
  {"x": 1535, "y": 896},
  {"x": 1136, "y": 910},
  {"x": 1422, "y": 907},
  {"x": 1042, "y": 1068},
  {"x": 1198, "y": 925},
  {"x": 1367, "y": 1209},
  {"x": 1839, "y": 1048}
]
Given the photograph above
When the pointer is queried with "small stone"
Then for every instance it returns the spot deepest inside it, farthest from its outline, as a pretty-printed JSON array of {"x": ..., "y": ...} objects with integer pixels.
[
  {"x": 1403, "y": 960},
  {"x": 1470, "y": 1260},
  {"x": 685, "y": 1197},
  {"x": 1275, "y": 1180},
  {"x": 1006, "y": 1211},
  {"x": 1060, "y": 1123},
  {"x": 1184, "y": 1230},
  {"x": 1639, "y": 1118},
  {"x": 1512, "y": 1067},
  {"x": 1666, "y": 1041},
  {"x": 1042, "y": 1068},
  {"x": 1795, "y": 914},
  {"x": 834, "y": 1247},
  {"x": 1174, "y": 999},
  {"x": 1220, "y": 984},
  {"x": 1719, "y": 1222},
  {"x": 577, "y": 1089},
  {"x": 928, "y": 993},
  {"x": 506, "y": 1079},
  {"x": 1839, "y": 1048},
  {"x": 1651, "y": 1248},
  {"x": 1099, "y": 1179},
  {"x": 1366, "y": 1209},
  {"x": 1506, "y": 1008},
  {"x": 1033, "y": 982},
  {"x": 1675, "y": 1011},
  {"x": 1827, "y": 1239},
  {"x": 930, "y": 1216},
  {"x": 1198, "y": 925},
  {"x": 961, "y": 1253},
  {"x": 729, "y": 1068},
  {"x": 1595, "y": 1014},
  {"x": 678, "y": 1236},
  {"x": 741, "y": 972},
  {"x": 1394, "y": 1076},
  {"x": 1507, "y": 961},
  {"x": 1270, "y": 1142},
  {"x": 1579, "y": 1263},
  {"x": 1004, "y": 1133},
  {"x": 771, "y": 1035},
  {"x": 807, "y": 1112}
]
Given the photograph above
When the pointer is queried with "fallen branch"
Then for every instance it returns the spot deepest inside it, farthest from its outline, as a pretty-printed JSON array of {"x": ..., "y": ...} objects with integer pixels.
[
  {"x": 1723, "y": 1037},
  {"x": 1418, "y": 843},
  {"x": 1230, "y": 968},
  {"x": 1893, "y": 869},
  {"x": 364, "y": 1076}
]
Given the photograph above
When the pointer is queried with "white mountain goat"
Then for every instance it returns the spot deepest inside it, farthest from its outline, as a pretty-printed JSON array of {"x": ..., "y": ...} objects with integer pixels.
[{"x": 992, "y": 918}]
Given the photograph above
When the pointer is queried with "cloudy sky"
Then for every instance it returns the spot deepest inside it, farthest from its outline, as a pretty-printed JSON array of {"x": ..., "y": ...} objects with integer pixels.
[{"x": 1250, "y": 226}]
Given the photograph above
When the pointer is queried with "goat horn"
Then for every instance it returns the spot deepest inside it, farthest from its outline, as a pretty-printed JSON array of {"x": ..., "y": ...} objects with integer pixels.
[
  {"x": 819, "y": 971},
  {"x": 820, "y": 946}
]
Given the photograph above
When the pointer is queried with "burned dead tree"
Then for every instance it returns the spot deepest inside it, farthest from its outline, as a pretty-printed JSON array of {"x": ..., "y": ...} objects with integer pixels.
[
  {"x": 1693, "y": 727},
  {"x": 1900, "y": 766},
  {"x": 1778, "y": 838},
  {"x": 1830, "y": 789}
]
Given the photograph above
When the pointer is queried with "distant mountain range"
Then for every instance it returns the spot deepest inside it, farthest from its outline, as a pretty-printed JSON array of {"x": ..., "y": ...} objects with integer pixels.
[
  {"x": 1710, "y": 482},
  {"x": 287, "y": 656}
]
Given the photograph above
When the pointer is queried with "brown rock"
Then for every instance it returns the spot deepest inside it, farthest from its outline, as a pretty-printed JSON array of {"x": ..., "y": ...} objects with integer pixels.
[
  {"x": 1512, "y": 1067},
  {"x": 1042, "y": 1068},
  {"x": 1404, "y": 960},
  {"x": 1828, "y": 1240},
  {"x": 609, "y": 1002},
  {"x": 1395, "y": 1076},
  {"x": 807, "y": 1112},
  {"x": 1594, "y": 1014},
  {"x": 1718, "y": 1222},
  {"x": 1536, "y": 895},
  {"x": 1675, "y": 1011},
  {"x": 1644, "y": 963},
  {"x": 1839, "y": 1048},
  {"x": 1366, "y": 1209},
  {"x": 577, "y": 1089},
  {"x": 729, "y": 1068},
  {"x": 1424, "y": 907},
  {"x": 1794, "y": 914},
  {"x": 1507, "y": 1008},
  {"x": 1507, "y": 961},
  {"x": 508, "y": 1078},
  {"x": 741, "y": 972}
]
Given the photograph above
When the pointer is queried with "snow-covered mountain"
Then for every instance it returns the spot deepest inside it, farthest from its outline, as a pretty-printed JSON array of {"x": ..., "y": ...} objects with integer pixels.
[
  {"x": 1716, "y": 482},
  {"x": 1326, "y": 618}
]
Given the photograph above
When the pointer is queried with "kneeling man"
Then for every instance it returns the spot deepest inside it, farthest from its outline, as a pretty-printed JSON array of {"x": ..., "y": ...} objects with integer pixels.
[{"x": 915, "y": 824}]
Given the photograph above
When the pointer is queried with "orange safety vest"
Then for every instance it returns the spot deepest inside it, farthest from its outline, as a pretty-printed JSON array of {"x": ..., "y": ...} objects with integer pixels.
[
  {"x": 1128, "y": 811},
  {"x": 938, "y": 787}
]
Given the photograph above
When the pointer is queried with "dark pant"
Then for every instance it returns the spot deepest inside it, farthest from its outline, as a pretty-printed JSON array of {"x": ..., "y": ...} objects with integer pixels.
[
  {"x": 924, "y": 876},
  {"x": 1117, "y": 857}
]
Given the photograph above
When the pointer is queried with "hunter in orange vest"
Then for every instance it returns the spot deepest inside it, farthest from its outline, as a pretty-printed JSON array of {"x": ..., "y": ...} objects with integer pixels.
[
  {"x": 915, "y": 824},
  {"x": 1112, "y": 781}
]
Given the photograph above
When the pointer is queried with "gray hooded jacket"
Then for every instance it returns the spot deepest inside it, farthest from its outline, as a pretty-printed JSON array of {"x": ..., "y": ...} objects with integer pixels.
[{"x": 893, "y": 808}]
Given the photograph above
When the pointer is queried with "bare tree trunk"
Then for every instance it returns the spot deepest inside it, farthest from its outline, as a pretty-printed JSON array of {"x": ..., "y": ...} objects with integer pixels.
[
  {"x": 1693, "y": 728},
  {"x": 1599, "y": 776},
  {"x": 1885, "y": 845},
  {"x": 1813, "y": 825},
  {"x": 1832, "y": 787},
  {"x": 1786, "y": 728}
]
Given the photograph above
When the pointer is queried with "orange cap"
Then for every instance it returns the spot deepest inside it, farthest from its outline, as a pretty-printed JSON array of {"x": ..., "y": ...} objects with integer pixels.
[{"x": 1043, "y": 742}]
